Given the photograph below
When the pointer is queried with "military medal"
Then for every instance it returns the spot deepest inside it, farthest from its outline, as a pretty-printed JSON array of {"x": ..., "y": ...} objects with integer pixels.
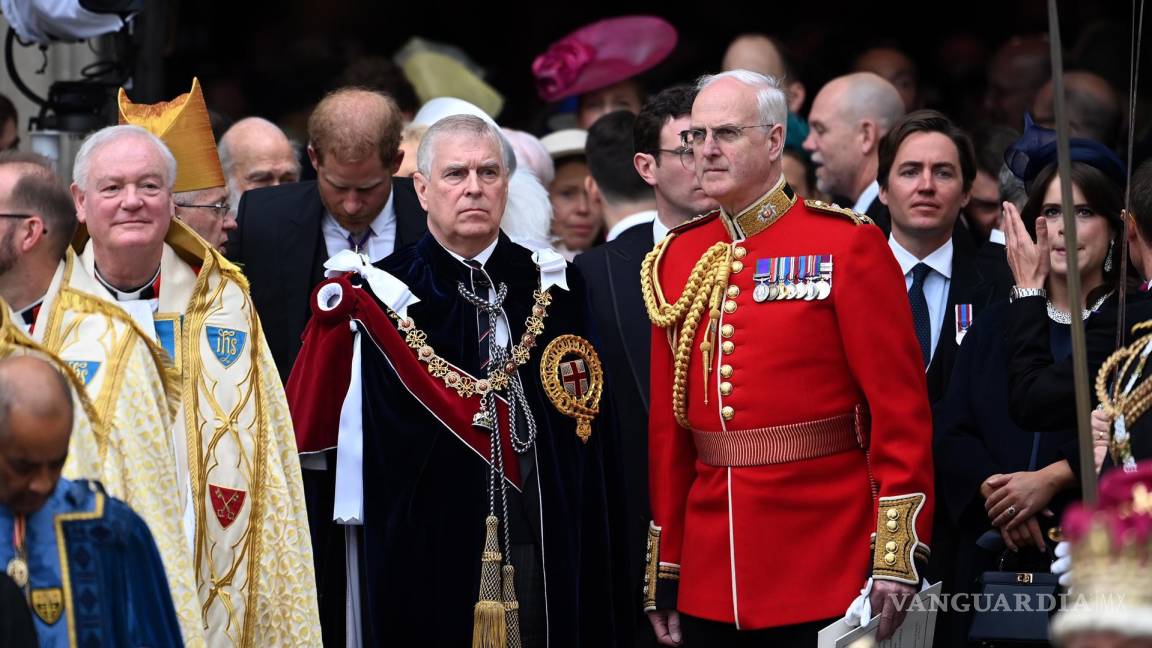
[
  {"x": 789, "y": 291},
  {"x": 760, "y": 292},
  {"x": 18, "y": 566},
  {"x": 963, "y": 320},
  {"x": 773, "y": 281},
  {"x": 809, "y": 279},
  {"x": 824, "y": 286}
]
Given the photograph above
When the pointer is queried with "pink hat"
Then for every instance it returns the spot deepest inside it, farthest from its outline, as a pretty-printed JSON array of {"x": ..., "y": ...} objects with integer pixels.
[{"x": 598, "y": 55}]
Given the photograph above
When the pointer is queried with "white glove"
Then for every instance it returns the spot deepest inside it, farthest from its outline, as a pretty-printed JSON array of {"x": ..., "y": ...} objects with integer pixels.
[
  {"x": 1062, "y": 566},
  {"x": 860, "y": 611}
]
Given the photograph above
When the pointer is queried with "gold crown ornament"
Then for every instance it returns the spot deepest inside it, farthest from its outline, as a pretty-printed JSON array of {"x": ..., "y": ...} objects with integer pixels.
[
  {"x": 1111, "y": 551},
  {"x": 184, "y": 126}
]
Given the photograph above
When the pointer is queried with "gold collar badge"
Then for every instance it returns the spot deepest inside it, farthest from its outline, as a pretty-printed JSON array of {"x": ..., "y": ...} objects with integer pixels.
[{"x": 573, "y": 379}]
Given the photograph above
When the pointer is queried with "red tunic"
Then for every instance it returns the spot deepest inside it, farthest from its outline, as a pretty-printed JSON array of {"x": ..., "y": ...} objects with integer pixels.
[{"x": 784, "y": 543}]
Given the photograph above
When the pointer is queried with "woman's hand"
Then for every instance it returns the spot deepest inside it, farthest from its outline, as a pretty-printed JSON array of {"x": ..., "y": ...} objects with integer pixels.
[
  {"x": 1029, "y": 261},
  {"x": 1017, "y": 497},
  {"x": 1101, "y": 436},
  {"x": 1022, "y": 535}
]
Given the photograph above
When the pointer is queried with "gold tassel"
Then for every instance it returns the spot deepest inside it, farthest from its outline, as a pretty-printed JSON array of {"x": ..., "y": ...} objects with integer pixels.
[
  {"x": 511, "y": 607},
  {"x": 489, "y": 629}
]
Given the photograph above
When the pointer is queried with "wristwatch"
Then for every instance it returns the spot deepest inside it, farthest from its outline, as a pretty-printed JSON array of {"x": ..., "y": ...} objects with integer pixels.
[{"x": 1019, "y": 293}]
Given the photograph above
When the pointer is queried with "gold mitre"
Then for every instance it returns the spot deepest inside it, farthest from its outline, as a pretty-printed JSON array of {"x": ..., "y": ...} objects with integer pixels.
[{"x": 184, "y": 126}]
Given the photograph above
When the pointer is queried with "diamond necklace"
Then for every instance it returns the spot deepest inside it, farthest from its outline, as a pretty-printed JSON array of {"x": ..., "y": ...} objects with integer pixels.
[{"x": 1064, "y": 317}]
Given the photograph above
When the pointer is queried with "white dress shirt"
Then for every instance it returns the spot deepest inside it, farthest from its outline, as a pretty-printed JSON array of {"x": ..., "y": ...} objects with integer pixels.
[
  {"x": 502, "y": 335},
  {"x": 381, "y": 233},
  {"x": 871, "y": 193},
  {"x": 659, "y": 230},
  {"x": 630, "y": 221},
  {"x": 936, "y": 282}
]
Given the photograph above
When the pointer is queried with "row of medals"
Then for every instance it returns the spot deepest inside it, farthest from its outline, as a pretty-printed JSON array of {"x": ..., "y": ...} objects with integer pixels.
[{"x": 807, "y": 288}]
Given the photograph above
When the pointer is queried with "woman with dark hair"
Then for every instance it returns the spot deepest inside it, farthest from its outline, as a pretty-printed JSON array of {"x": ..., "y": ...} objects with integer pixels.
[{"x": 1004, "y": 485}]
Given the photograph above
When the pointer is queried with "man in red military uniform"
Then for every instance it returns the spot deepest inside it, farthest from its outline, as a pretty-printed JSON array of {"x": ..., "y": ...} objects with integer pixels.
[{"x": 790, "y": 431}]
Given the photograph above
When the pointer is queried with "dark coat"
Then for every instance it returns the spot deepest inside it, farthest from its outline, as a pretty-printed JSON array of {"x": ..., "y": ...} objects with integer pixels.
[{"x": 278, "y": 244}]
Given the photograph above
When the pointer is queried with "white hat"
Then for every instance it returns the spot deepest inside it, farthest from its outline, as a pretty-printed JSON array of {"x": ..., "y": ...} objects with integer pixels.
[
  {"x": 569, "y": 141},
  {"x": 441, "y": 107}
]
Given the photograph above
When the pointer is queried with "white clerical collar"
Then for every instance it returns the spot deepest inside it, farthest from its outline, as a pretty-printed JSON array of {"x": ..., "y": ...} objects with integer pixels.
[
  {"x": 659, "y": 230},
  {"x": 147, "y": 291},
  {"x": 481, "y": 256},
  {"x": 939, "y": 260},
  {"x": 378, "y": 224},
  {"x": 630, "y": 221},
  {"x": 997, "y": 236},
  {"x": 864, "y": 201}
]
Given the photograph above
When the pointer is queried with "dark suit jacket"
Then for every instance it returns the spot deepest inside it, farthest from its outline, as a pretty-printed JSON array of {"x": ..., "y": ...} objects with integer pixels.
[
  {"x": 1043, "y": 391},
  {"x": 878, "y": 212},
  {"x": 612, "y": 275},
  {"x": 278, "y": 244},
  {"x": 979, "y": 279}
]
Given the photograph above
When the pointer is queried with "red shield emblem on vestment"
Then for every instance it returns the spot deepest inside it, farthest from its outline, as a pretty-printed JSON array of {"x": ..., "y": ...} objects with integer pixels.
[{"x": 226, "y": 503}]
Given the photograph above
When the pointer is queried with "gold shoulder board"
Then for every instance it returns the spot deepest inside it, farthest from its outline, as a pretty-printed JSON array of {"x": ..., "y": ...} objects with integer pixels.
[{"x": 823, "y": 207}]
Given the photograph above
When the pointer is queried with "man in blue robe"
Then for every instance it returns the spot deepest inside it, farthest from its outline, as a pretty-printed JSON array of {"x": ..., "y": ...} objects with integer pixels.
[{"x": 85, "y": 562}]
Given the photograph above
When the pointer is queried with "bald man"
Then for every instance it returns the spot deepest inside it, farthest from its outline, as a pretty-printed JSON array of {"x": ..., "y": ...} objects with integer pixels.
[
  {"x": 256, "y": 153},
  {"x": 849, "y": 116},
  {"x": 1093, "y": 107},
  {"x": 763, "y": 54},
  {"x": 51, "y": 528},
  {"x": 284, "y": 234},
  {"x": 1015, "y": 74}
]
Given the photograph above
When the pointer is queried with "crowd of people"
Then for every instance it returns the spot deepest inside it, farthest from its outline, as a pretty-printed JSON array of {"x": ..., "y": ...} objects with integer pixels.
[{"x": 706, "y": 365}]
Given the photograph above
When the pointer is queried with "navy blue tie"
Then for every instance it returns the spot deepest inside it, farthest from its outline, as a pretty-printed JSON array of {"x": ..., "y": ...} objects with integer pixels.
[{"x": 920, "y": 318}]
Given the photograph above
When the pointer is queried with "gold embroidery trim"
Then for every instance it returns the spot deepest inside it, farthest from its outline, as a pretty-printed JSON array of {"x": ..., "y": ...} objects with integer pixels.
[
  {"x": 583, "y": 408},
  {"x": 65, "y": 577},
  {"x": 896, "y": 540},
  {"x": 12, "y": 338},
  {"x": 856, "y": 217},
  {"x": 761, "y": 214},
  {"x": 654, "y": 570},
  {"x": 204, "y": 301},
  {"x": 460, "y": 381}
]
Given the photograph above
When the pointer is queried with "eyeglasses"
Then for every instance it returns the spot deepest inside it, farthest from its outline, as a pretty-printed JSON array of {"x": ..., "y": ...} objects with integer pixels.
[
  {"x": 683, "y": 152},
  {"x": 21, "y": 217},
  {"x": 695, "y": 137},
  {"x": 219, "y": 210}
]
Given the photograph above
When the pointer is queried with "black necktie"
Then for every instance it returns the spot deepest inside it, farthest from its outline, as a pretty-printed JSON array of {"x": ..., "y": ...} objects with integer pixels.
[
  {"x": 920, "y": 318},
  {"x": 480, "y": 285}
]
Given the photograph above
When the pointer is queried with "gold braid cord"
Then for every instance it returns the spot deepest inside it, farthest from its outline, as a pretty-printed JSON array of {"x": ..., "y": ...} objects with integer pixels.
[
  {"x": 704, "y": 289},
  {"x": 1128, "y": 400}
]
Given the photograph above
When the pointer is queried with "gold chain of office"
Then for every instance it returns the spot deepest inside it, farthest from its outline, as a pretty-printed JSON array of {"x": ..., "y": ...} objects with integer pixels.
[
  {"x": 498, "y": 377},
  {"x": 704, "y": 289}
]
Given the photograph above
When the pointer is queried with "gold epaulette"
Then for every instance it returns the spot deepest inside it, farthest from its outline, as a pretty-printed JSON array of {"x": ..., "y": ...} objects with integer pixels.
[
  {"x": 695, "y": 221},
  {"x": 823, "y": 207}
]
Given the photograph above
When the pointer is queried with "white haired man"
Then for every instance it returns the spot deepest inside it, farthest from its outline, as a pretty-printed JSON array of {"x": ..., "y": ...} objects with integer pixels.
[
  {"x": 236, "y": 461},
  {"x": 489, "y": 389},
  {"x": 760, "y": 449}
]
